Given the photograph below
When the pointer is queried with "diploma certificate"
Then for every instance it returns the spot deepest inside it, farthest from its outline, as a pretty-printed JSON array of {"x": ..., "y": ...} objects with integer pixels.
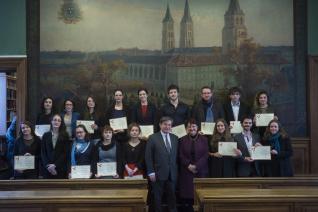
[
  {"x": 207, "y": 128},
  {"x": 23, "y": 162},
  {"x": 135, "y": 177},
  {"x": 236, "y": 127},
  {"x": 179, "y": 130},
  {"x": 146, "y": 130},
  {"x": 107, "y": 169},
  {"x": 227, "y": 148},
  {"x": 81, "y": 172},
  {"x": 41, "y": 129},
  {"x": 261, "y": 153},
  {"x": 118, "y": 123},
  {"x": 87, "y": 124},
  {"x": 262, "y": 119}
]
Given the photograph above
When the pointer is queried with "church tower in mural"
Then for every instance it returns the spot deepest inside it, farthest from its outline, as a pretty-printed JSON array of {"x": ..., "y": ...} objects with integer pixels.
[
  {"x": 168, "y": 41},
  {"x": 234, "y": 31},
  {"x": 186, "y": 28}
]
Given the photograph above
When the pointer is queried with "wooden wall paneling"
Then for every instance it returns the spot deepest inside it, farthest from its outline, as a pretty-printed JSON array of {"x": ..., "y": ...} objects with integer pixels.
[{"x": 301, "y": 155}]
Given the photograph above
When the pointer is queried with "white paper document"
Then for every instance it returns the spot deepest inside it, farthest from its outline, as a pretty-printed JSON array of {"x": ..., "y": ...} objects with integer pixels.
[
  {"x": 261, "y": 153},
  {"x": 227, "y": 148},
  {"x": 179, "y": 130},
  {"x": 118, "y": 123},
  {"x": 81, "y": 172},
  {"x": 88, "y": 125},
  {"x": 146, "y": 130},
  {"x": 23, "y": 162},
  {"x": 135, "y": 177},
  {"x": 236, "y": 127},
  {"x": 41, "y": 129},
  {"x": 207, "y": 128},
  {"x": 262, "y": 119},
  {"x": 107, "y": 169}
]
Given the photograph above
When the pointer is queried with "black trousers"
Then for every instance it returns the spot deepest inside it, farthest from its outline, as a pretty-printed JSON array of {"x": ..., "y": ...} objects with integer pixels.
[{"x": 164, "y": 186}]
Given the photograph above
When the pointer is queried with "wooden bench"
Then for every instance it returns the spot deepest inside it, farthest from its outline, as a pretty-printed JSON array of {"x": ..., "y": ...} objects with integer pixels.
[
  {"x": 260, "y": 200},
  {"x": 109, "y": 200}
]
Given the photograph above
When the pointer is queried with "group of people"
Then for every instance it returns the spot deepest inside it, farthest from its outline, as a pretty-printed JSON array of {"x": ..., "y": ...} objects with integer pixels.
[{"x": 166, "y": 160}]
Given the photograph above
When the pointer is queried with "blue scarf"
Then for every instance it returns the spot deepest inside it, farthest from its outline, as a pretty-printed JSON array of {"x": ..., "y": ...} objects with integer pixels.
[
  {"x": 274, "y": 141},
  {"x": 79, "y": 146}
]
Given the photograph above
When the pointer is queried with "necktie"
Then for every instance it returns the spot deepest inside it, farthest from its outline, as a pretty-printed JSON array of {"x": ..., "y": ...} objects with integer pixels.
[
  {"x": 209, "y": 115},
  {"x": 167, "y": 143}
]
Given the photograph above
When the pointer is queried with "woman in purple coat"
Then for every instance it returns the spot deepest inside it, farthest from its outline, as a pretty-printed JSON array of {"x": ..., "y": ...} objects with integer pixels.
[{"x": 193, "y": 157}]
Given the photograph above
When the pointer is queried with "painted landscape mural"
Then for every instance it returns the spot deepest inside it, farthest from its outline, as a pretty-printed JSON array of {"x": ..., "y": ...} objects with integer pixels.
[{"x": 93, "y": 46}]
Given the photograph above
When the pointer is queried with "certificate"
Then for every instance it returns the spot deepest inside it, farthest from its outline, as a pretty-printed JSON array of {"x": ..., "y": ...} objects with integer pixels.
[
  {"x": 87, "y": 124},
  {"x": 227, "y": 148},
  {"x": 23, "y": 162},
  {"x": 261, "y": 153},
  {"x": 236, "y": 127},
  {"x": 207, "y": 128},
  {"x": 135, "y": 177},
  {"x": 107, "y": 169},
  {"x": 118, "y": 123},
  {"x": 262, "y": 119},
  {"x": 146, "y": 130},
  {"x": 179, "y": 130},
  {"x": 81, "y": 172},
  {"x": 41, "y": 129}
]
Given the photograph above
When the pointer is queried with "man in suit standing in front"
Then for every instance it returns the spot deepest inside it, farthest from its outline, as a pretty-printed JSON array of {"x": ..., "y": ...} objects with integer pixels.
[
  {"x": 161, "y": 161},
  {"x": 246, "y": 166}
]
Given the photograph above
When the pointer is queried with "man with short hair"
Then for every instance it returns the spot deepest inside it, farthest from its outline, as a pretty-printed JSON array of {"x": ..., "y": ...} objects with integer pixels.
[
  {"x": 161, "y": 162},
  {"x": 235, "y": 109},
  {"x": 246, "y": 166},
  {"x": 208, "y": 109},
  {"x": 177, "y": 110}
]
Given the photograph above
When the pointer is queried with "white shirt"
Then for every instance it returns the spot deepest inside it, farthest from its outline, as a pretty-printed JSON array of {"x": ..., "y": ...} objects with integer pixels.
[
  {"x": 248, "y": 140},
  {"x": 164, "y": 138},
  {"x": 235, "y": 109}
]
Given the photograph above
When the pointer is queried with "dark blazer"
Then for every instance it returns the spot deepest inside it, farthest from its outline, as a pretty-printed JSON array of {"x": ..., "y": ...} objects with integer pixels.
[
  {"x": 151, "y": 117},
  {"x": 199, "y": 111},
  {"x": 158, "y": 160},
  {"x": 228, "y": 112},
  {"x": 75, "y": 116},
  {"x": 244, "y": 168},
  {"x": 55, "y": 155}
]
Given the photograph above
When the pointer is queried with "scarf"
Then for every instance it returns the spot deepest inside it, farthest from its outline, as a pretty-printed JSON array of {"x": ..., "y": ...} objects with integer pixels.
[
  {"x": 79, "y": 146},
  {"x": 274, "y": 141}
]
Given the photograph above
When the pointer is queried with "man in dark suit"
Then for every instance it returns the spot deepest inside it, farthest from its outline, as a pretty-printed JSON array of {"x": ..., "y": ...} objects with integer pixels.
[
  {"x": 208, "y": 109},
  {"x": 246, "y": 166},
  {"x": 235, "y": 109},
  {"x": 161, "y": 161}
]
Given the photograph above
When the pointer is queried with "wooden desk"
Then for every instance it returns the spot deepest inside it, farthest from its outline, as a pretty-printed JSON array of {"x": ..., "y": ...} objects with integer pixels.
[
  {"x": 129, "y": 200},
  {"x": 15, "y": 185},
  {"x": 260, "y": 200}
]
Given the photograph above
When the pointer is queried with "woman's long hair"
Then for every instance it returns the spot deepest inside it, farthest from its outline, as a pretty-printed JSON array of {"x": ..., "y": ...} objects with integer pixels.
[
  {"x": 281, "y": 130},
  {"x": 216, "y": 137}
]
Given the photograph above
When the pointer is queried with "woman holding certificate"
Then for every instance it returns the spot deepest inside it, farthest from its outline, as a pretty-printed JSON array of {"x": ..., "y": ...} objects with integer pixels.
[
  {"x": 281, "y": 150},
  {"x": 221, "y": 165},
  {"x": 45, "y": 116},
  {"x": 133, "y": 154},
  {"x": 193, "y": 157},
  {"x": 117, "y": 117},
  {"x": 70, "y": 117},
  {"x": 91, "y": 114},
  {"x": 107, "y": 156},
  {"x": 144, "y": 112},
  {"x": 27, "y": 152},
  {"x": 54, "y": 150},
  {"x": 82, "y": 154},
  {"x": 262, "y": 106}
]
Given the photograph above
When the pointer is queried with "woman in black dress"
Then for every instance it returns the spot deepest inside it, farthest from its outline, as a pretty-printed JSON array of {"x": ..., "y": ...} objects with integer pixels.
[
  {"x": 281, "y": 151},
  {"x": 91, "y": 114},
  {"x": 133, "y": 153},
  {"x": 54, "y": 150},
  {"x": 27, "y": 144},
  {"x": 47, "y": 111},
  {"x": 219, "y": 165}
]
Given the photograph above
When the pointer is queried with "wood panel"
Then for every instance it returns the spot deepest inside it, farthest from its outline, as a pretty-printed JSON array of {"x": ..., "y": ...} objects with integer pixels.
[
  {"x": 313, "y": 114},
  {"x": 301, "y": 156},
  {"x": 257, "y": 199}
]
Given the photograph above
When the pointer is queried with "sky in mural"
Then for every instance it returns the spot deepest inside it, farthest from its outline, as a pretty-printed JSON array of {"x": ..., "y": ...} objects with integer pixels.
[{"x": 113, "y": 24}]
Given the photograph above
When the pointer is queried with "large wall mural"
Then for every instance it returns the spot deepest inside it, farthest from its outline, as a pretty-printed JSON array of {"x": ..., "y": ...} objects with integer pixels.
[{"x": 93, "y": 46}]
